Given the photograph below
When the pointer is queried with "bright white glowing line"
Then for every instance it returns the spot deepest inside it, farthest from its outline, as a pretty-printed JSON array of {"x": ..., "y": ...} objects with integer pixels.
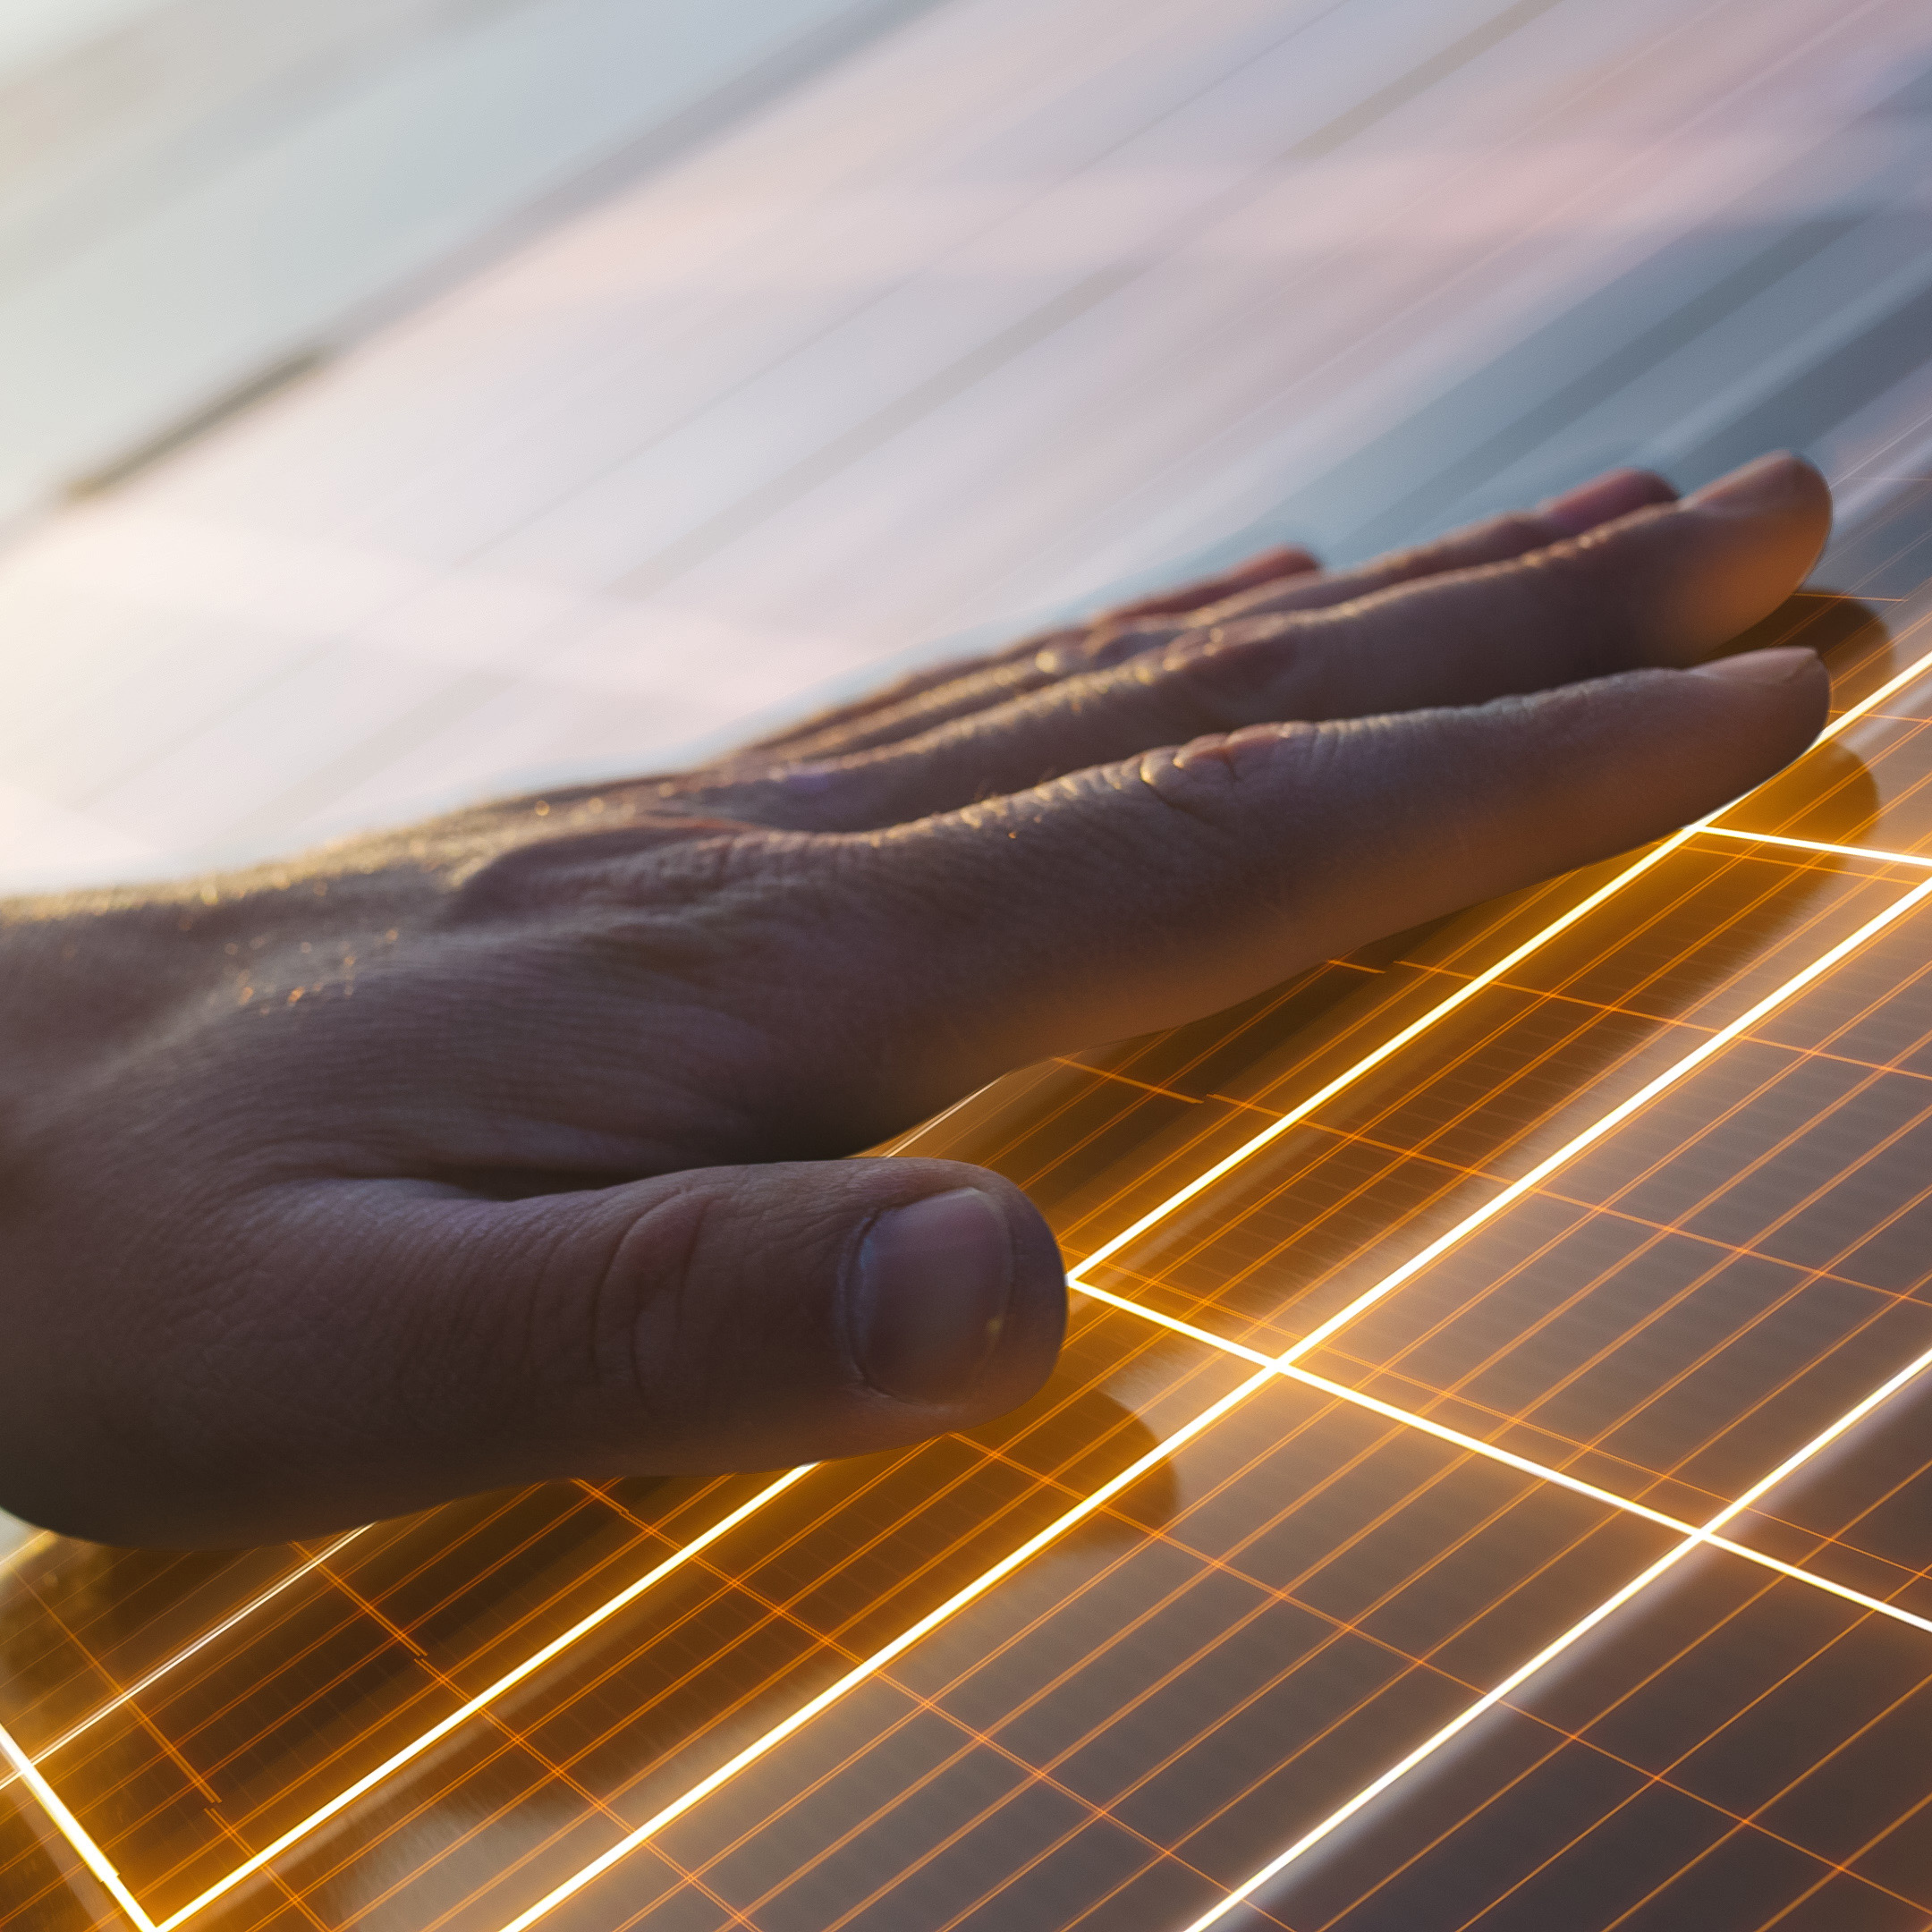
[
  {"x": 1281, "y": 1364},
  {"x": 1699, "y": 1539},
  {"x": 1463, "y": 994},
  {"x": 73, "y": 1831},
  {"x": 508, "y": 1681},
  {"x": 1870, "y": 703},
  {"x": 1817, "y": 845},
  {"x": 181, "y": 1656},
  {"x": 1524, "y": 1465},
  {"x": 22, "y": 1550},
  {"x": 1393, "y": 1045},
  {"x": 1506, "y": 1197},
  {"x": 880, "y": 1659},
  {"x": 1272, "y": 1132}
]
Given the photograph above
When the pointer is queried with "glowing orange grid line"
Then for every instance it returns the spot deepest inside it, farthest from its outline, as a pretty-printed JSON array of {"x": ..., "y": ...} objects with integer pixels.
[
  {"x": 97, "y": 1861},
  {"x": 1166, "y": 1209},
  {"x": 1704, "y": 1536},
  {"x": 509, "y": 1680},
  {"x": 880, "y": 1659},
  {"x": 1495, "y": 1453},
  {"x": 71, "y": 1829},
  {"x": 1815, "y": 845},
  {"x": 1463, "y": 994},
  {"x": 1480, "y": 1217},
  {"x": 181, "y": 1656}
]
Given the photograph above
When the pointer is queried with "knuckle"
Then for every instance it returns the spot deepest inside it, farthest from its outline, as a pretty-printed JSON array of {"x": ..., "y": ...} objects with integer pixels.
[
  {"x": 1515, "y": 533},
  {"x": 1227, "y": 677},
  {"x": 1215, "y": 780},
  {"x": 1580, "y": 585}
]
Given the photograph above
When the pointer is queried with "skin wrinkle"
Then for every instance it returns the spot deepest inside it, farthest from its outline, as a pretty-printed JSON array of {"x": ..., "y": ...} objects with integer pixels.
[
  {"x": 555, "y": 1191},
  {"x": 627, "y": 1280}
]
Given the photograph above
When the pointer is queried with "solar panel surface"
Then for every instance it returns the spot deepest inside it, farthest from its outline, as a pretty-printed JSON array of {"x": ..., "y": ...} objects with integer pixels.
[{"x": 1485, "y": 1486}]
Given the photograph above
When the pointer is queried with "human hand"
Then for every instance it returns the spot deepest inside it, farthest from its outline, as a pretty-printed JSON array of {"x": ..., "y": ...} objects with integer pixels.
[{"x": 504, "y": 1148}]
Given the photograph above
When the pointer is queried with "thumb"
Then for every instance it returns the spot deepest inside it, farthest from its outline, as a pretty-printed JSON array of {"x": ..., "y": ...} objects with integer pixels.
[
  {"x": 756, "y": 1317},
  {"x": 406, "y": 1345}
]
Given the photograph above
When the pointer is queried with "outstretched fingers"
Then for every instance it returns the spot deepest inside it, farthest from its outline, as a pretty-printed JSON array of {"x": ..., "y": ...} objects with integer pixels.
[
  {"x": 923, "y": 698},
  {"x": 1150, "y": 891},
  {"x": 1282, "y": 579},
  {"x": 1603, "y": 499},
  {"x": 1662, "y": 586}
]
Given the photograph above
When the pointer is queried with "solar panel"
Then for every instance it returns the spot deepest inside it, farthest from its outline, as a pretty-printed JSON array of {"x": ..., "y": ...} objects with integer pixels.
[{"x": 1483, "y": 1484}]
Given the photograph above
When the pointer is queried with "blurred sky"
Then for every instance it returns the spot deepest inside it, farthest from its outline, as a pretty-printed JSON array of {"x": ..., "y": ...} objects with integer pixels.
[{"x": 681, "y": 366}]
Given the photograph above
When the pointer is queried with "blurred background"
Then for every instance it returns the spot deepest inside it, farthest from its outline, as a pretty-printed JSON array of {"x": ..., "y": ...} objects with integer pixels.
[{"x": 406, "y": 399}]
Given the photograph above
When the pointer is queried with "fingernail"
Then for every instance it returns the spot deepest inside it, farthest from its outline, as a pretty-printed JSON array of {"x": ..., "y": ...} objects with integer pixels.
[
  {"x": 1615, "y": 493},
  {"x": 1756, "y": 485},
  {"x": 934, "y": 1279},
  {"x": 1778, "y": 666}
]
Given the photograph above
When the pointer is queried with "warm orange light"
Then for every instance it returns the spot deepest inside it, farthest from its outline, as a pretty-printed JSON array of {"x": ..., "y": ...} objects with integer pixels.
[
  {"x": 1704, "y": 1536},
  {"x": 1269, "y": 1368}
]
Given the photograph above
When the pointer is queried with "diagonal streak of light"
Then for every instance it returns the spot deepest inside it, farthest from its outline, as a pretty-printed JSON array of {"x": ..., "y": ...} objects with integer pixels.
[
  {"x": 234, "y": 1620},
  {"x": 1508, "y": 1458},
  {"x": 1505, "y": 1197},
  {"x": 1703, "y": 1536},
  {"x": 1468, "y": 991},
  {"x": 90, "y": 1851}
]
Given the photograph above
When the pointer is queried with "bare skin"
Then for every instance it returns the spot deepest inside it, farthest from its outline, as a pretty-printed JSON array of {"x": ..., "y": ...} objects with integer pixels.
[{"x": 507, "y": 1147}]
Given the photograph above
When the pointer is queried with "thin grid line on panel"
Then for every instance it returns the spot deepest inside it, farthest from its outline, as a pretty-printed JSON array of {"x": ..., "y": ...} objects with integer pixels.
[
  {"x": 1280, "y": 1123},
  {"x": 1464, "y": 992},
  {"x": 1743, "y": 1820},
  {"x": 1460, "y": 997},
  {"x": 1441, "y": 1010},
  {"x": 1748, "y": 1822},
  {"x": 1042, "y": 1772},
  {"x": 1651, "y": 1778},
  {"x": 239, "y": 1617},
  {"x": 1856, "y": 1597},
  {"x": 824, "y": 1776},
  {"x": 719, "y": 1854},
  {"x": 228, "y": 1882},
  {"x": 1704, "y": 1636},
  {"x": 1369, "y": 1297},
  {"x": 1423, "y": 1151},
  {"x": 482, "y": 1702},
  {"x": 1033, "y": 1476},
  {"x": 882, "y": 1535},
  {"x": 1495, "y": 1453},
  {"x": 1702, "y": 1537},
  {"x": 1730, "y": 1177},
  {"x": 1871, "y": 1069},
  {"x": 149, "y": 1679}
]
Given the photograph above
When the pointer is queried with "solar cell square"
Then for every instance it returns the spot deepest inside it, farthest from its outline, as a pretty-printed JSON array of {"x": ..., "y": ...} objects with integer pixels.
[
  {"x": 1318, "y": 1585},
  {"x": 1068, "y": 1672},
  {"x": 1673, "y": 1769},
  {"x": 1493, "y": 1090},
  {"x": 1857, "y": 1516},
  {"x": 41, "y": 1873}
]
